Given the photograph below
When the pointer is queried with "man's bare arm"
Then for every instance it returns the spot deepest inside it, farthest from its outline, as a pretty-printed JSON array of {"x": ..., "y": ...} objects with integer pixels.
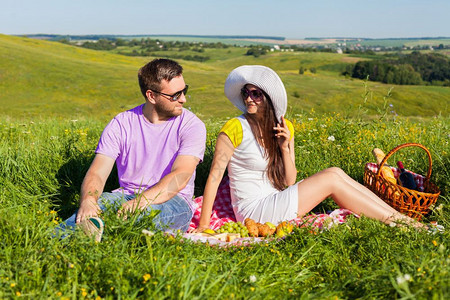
[
  {"x": 93, "y": 185},
  {"x": 169, "y": 186}
]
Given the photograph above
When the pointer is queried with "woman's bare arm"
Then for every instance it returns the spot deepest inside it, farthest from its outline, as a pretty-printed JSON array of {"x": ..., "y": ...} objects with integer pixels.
[
  {"x": 287, "y": 151},
  {"x": 222, "y": 155}
]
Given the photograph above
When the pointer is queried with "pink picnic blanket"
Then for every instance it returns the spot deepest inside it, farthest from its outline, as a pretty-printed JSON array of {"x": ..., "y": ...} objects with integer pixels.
[{"x": 223, "y": 212}]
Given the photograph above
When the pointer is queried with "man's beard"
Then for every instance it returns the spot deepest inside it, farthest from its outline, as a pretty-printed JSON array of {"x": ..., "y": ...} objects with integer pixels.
[{"x": 166, "y": 113}]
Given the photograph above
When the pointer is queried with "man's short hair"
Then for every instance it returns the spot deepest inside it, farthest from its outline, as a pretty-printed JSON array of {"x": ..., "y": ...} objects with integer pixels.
[{"x": 152, "y": 74}]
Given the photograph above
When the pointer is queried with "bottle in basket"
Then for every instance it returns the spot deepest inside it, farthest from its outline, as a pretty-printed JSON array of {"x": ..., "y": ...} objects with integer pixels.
[{"x": 406, "y": 178}]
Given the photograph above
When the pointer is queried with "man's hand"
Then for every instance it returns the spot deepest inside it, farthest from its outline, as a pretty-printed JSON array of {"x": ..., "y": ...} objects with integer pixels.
[
  {"x": 131, "y": 206},
  {"x": 170, "y": 185},
  {"x": 87, "y": 210}
]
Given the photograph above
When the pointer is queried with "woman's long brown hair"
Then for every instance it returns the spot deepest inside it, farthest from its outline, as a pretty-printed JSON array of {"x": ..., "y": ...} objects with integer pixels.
[{"x": 262, "y": 128}]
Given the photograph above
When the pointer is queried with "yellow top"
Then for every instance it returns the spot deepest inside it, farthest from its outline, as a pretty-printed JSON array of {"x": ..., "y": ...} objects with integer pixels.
[{"x": 233, "y": 129}]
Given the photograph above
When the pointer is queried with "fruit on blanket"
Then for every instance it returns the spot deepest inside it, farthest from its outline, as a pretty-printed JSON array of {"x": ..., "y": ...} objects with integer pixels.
[
  {"x": 280, "y": 233},
  {"x": 272, "y": 227},
  {"x": 251, "y": 227},
  {"x": 288, "y": 226},
  {"x": 209, "y": 231},
  {"x": 263, "y": 230},
  {"x": 284, "y": 228},
  {"x": 234, "y": 227}
]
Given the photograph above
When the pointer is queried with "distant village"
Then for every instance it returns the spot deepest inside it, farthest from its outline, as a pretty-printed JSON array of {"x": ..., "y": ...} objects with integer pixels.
[{"x": 259, "y": 45}]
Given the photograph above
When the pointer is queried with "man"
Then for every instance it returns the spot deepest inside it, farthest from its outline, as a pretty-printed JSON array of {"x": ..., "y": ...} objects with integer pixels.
[{"x": 156, "y": 147}]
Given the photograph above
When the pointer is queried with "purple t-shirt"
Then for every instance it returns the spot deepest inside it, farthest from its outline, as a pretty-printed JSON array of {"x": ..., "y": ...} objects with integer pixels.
[{"x": 145, "y": 152}]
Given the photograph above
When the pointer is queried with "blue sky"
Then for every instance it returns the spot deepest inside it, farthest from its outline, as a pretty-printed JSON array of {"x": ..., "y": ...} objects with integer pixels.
[{"x": 285, "y": 18}]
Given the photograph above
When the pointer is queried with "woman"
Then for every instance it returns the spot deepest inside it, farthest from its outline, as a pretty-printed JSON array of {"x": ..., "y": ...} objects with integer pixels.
[{"x": 257, "y": 148}]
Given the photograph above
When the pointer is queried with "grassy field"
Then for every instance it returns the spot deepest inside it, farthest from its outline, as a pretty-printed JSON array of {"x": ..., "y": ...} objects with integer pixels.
[
  {"x": 70, "y": 82},
  {"x": 42, "y": 165},
  {"x": 56, "y": 99},
  {"x": 213, "y": 53}
]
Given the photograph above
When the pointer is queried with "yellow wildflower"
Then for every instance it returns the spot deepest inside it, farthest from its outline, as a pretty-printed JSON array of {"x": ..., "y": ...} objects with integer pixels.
[{"x": 147, "y": 277}]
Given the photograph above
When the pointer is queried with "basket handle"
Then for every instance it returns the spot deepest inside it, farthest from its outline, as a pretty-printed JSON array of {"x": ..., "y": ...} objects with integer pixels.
[{"x": 404, "y": 146}]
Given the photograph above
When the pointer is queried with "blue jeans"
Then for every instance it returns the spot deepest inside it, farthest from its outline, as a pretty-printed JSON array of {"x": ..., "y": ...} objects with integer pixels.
[{"x": 175, "y": 213}]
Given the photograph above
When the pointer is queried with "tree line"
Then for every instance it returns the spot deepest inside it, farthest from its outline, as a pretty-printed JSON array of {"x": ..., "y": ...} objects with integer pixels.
[
  {"x": 147, "y": 47},
  {"x": 411, "y": 69}
]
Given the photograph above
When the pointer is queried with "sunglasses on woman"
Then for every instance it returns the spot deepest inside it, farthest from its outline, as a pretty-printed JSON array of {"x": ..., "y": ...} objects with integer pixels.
[
  {"x": 255, "y": 95},
  {"x": 175, "y": 96}
]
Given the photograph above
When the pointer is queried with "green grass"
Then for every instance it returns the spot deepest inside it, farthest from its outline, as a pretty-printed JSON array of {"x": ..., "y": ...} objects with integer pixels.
[
  {"x": 69, "y": 82},
  {"x": 43, "y": 163},
  {"x": 56, "y": 99}
]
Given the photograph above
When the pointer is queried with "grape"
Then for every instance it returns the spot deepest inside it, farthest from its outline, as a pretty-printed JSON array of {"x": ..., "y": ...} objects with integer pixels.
[{"x": 232, "y": 227}]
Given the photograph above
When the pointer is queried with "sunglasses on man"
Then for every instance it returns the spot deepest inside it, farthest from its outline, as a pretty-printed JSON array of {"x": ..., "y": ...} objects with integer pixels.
[
  {"x": 255, "y": 95},
  {"x": 176, "y": 96}
]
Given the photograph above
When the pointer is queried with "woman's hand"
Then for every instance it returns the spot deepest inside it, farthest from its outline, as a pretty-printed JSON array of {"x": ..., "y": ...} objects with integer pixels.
[
  {"x": 283, "y": 134},
  {"x": 286, "y": 144},
  {"x": 198, "y": 229}
]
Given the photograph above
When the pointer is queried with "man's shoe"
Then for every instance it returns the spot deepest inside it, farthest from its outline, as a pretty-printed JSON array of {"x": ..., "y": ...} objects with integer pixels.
[{"x": 93, "y": 227}]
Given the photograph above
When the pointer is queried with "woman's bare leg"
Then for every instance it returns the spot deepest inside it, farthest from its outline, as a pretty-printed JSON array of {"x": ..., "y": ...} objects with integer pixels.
[
  {"x": 362, "y": 188},
  {"x": 347, "y": 193}
]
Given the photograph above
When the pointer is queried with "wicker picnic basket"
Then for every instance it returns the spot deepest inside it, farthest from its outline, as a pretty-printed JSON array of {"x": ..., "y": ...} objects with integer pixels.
[{"x": 409, "y": 202}]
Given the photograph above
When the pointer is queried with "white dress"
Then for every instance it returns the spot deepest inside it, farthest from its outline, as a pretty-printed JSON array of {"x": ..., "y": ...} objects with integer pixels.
[{"x": 252, "y": 194}]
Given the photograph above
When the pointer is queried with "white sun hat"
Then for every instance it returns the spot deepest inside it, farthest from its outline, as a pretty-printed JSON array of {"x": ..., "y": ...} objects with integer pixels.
[{"x": 264, "y": 78}]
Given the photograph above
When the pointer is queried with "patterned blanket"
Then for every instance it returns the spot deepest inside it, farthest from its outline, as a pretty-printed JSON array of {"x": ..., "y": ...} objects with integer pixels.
[{"x": 223, "y": 212}]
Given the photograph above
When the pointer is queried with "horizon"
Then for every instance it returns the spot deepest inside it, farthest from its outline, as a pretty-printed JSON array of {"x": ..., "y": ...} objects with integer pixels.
[
  {"x": 290, "y": 19},
  {"x": 234, "y": 36}
]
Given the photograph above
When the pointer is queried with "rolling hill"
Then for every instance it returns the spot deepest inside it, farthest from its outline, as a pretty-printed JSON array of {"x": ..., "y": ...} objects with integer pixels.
[{"x": 43, "y": 79}]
